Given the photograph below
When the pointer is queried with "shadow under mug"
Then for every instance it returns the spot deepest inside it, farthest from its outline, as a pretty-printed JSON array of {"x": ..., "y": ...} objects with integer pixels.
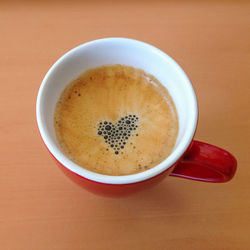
[{"x": 190, "y": 159}]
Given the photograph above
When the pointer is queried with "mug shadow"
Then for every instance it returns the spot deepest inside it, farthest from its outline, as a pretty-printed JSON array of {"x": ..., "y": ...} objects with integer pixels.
[
  {"x": 166, "y": 197},
  {"x": 143, "y": 213}
]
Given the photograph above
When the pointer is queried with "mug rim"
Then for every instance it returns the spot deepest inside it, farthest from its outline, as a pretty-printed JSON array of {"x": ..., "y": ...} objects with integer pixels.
[{"x": 124, "y": 179}]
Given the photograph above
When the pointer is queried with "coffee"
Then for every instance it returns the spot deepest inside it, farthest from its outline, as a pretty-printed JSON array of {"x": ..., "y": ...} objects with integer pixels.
[{"x": 116, "y": 120}]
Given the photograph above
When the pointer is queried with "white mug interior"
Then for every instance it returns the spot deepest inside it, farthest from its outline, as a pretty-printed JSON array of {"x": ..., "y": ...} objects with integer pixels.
[{"x": 117, "y": 51}]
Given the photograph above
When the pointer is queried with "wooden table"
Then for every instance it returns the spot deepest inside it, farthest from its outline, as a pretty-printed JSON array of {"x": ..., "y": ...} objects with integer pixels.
[{"x": 41, "y": 209}]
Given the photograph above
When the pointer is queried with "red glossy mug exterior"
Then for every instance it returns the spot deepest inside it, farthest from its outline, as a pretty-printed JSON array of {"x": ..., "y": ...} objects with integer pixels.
[{"x": 190, "y": 159}]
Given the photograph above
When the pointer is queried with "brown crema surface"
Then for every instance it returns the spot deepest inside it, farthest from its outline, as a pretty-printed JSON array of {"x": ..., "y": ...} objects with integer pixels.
[{"x": 116, "y": 120}]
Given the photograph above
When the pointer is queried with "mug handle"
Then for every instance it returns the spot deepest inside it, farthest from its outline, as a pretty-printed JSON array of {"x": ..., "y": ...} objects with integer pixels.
[{"x": 205, "y": 162}]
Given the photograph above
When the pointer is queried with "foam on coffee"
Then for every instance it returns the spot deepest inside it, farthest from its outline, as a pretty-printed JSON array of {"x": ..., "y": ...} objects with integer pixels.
[{"x": 116, "y": 120}]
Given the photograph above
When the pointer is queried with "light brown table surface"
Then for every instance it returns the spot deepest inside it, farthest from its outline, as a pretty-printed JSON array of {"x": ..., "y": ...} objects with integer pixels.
[{"x": 41, "y": 209}]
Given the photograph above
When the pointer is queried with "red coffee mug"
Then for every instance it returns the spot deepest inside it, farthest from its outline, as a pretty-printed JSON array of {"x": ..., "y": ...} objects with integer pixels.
[{"x": 190, "y": 159}]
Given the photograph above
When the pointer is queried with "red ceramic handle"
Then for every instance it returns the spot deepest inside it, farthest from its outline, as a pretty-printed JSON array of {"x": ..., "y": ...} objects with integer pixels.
[{"x": 205, "y": 162}]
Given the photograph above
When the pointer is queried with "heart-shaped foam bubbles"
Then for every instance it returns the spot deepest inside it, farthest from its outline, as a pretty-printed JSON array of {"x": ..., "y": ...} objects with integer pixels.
[{"x": 116, "y": 135}]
